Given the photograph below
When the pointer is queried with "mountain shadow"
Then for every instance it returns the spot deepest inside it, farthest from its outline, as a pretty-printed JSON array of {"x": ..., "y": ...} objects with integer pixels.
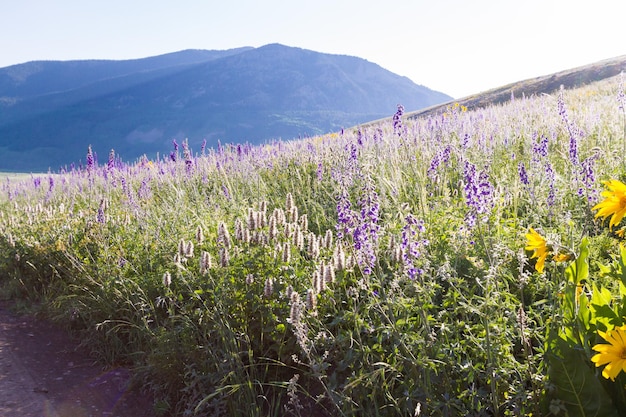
[{"x": 50, "y": 112}]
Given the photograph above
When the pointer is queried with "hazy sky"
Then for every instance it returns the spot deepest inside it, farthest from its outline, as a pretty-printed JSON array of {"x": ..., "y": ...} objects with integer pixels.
[{"x": 459, "y": 47}]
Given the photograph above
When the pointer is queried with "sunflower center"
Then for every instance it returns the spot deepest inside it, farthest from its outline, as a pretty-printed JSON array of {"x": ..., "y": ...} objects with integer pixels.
[{"x": 623, "y": 353}]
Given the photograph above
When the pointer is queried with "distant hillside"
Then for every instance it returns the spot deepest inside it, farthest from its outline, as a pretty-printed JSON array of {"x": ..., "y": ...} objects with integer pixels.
[
  {"x": 50, "y": 112},
  {"x": 546, "y": 84}
]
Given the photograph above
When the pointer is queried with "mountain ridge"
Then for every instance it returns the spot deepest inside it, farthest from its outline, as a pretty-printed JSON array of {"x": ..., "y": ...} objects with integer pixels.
[
  {"x": 240, "y": 95},
  {"x": 114, "y": 68},
  {"x": 545, "y": 84}
]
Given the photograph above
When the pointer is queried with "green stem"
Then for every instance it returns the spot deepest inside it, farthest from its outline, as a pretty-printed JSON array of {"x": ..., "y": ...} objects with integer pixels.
[{"x": 490, "y": 369}]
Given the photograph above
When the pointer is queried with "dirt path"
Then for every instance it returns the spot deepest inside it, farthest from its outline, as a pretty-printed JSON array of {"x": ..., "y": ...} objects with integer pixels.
[{"x": 43, "y": 374}]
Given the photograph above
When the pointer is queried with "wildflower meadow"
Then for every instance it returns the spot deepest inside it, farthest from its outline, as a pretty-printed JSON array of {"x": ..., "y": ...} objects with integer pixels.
[{"x": 468, "y": 262}]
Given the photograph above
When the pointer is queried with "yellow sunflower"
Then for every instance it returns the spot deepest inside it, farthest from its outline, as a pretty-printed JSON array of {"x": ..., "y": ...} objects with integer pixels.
[
  {"x": 614, "y": 203},
  {"x": 539, "y": 246},
  {"x": 613, "y": 354}
]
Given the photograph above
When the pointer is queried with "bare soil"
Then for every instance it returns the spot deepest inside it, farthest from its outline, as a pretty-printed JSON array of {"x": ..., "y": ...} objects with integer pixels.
[{"x": 43, "y": 372}]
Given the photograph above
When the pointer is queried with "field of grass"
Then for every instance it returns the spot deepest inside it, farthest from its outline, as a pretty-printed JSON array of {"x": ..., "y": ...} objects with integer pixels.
[
  {"x": 13, "y": 175},
  {"x": 388, "y": 270}
]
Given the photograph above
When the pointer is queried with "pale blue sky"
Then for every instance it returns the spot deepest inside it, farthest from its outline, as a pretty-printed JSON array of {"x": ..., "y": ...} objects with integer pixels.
[{"x": 459, "y": 47}]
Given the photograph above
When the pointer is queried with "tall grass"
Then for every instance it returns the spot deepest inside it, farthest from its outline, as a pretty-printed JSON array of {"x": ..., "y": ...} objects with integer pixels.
[{"x": 375, "y": 271}]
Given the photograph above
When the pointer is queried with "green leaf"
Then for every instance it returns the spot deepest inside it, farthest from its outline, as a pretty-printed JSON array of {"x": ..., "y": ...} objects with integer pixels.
[
  {"x": 577, "y": 387},
  {"x": 622, "y": 264},
  {"x": 584, "y": 310},
  {"x": 602, "y": 312},
  {"x": 578, "y": 270},
  {"x": 600, "y": 296}
]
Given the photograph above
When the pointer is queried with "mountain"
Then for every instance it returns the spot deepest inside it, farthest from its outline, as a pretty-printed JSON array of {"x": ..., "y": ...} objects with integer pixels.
[
  {"x": 547, "y": 84},
  {"x": 50, "y": 112}
]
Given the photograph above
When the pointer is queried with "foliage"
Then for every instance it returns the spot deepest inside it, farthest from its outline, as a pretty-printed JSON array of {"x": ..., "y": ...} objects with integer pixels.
[{"x": 378, "y": 271}]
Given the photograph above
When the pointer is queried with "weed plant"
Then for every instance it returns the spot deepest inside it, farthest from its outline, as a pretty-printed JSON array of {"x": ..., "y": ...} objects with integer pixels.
[{"x": 377, "y": 271}]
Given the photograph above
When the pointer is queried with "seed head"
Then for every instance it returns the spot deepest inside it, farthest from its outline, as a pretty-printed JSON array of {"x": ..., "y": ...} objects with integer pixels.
[
  {"x": 318, "y": 281},
  {"x": 199, "y": 235},
  {"x": 313, "y": 247},
  {"x": 205, "y": 262},
  {"x": 273, "y": 230},
  {"x": 293, "y": 214},
  {"x": 189, "y": 249},
  {"x": 224, "y": 257},
  {"x": 289, "y": 202},
  {"x": 167, "y": 279},
  {"x": 339, "y": 258},
  {"x": 223, "y": 237},
  {"x": 269, "y": 287},
  {"x": 328, "y": 239},
  {"x": 329, "y": 274},
  {"x": 304, "y": 222},
  {"x": 239, "y": 230},
  {"x": 286, "y": 252},
  {"x": 296, "y": 308},
  {"x": 311, "y": 301}
]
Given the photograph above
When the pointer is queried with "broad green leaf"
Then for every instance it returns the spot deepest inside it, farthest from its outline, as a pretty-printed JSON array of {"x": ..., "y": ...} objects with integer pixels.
[
  {"x": 604, "y": 269},
  {"x": 577, "y": 387},
  {"x": 578, "y": 270},
  {"x": 600, "y": 296},
  {"x": 569, "y": 301},
  {"x": 601, "y": 308}
]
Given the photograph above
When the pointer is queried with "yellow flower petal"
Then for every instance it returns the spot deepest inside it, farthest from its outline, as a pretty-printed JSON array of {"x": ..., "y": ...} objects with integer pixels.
[
  {"x": 538, "y": 244},
  {"x": 600, "y": 359},
  {"x": 611, "y": 354},
  {"x": 614, "y": 203}
]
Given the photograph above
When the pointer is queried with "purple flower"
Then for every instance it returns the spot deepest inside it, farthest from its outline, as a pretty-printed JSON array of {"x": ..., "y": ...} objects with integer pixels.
[
  {"x": 359, "y": 137},
  {"x": 174, "y": 153},
  {"x": 365, "y": 235},
  {"x": 550, "y": 177},
  {"x": 573, "y": 149},
  {"x": 320, "y": 171},
  {"x": 225, "y": 191},
  {"x": 354, "y": 154},
  {"x": 540, "y": 149},
  {"x": 441, "y": 157},
  {"x": 127, "y": 190},
  {"x": 111, "y": 161},
  {"x": 411, "y": 245},
  {"x": 588, "y": 176},
  {"x": 188, "y": 157},
  {"x": 478, "y": 192},
  {"x": 571, "y": 128},
  {"x": 144, "y": 189},
  {"x": 397, "y": 120},
  {"x": 100, "y": 216},
  {"x": 465, "y": 141},
  {"x": 345, "y": 216},
  {"x": 90, "y": 159},
  {"x": 523, "y": 175},
  {"x": 361, "y": 226}
]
